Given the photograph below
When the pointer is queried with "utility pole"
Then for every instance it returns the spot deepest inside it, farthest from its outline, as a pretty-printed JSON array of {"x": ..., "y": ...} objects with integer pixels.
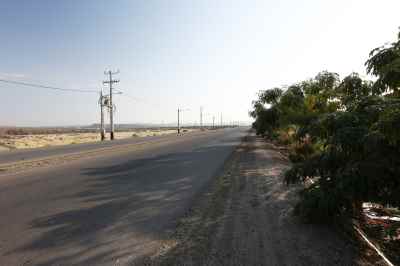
[
  {"x": 201, "y": 117},
  {"x": 179, "y": 129},
  {"x": 111, "y": 106},
  {"x": 179, "y": 124},
  {"x": 102, "y": 131},
  {"x": 221, "y": 119},
  {"x": 213, "y": 122}
]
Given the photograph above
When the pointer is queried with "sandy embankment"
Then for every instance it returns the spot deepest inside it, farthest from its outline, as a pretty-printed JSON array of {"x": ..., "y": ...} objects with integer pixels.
[
  {"x": 2, "y": 149},
  {"x": 9, "y": 142}
]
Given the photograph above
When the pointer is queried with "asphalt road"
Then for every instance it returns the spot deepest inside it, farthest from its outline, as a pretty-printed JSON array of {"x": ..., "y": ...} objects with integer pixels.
[
  {"x": 108, "y": 209},
  {"x": 34, "y": 154}
]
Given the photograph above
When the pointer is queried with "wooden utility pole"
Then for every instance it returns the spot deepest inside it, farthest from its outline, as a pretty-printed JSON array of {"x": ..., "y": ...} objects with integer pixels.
[
  {"x": 102, "y": 130},
  {"x": 111, "y": 106},
  {"x": 201, "y": 117},
  {"x": 179, "y": 123},
  {"x": 179, "y": 129}
]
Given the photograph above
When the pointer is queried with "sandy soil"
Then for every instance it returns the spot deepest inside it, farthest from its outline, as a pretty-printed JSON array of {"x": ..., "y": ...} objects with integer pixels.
[
  {"x": 247, "y": 219},
  {"x": 36, "y": 141},
  {"x": 3, "y": 148}
]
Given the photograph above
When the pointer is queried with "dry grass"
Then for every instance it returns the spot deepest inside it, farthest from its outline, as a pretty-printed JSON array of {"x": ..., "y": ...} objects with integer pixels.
[{"x": 29, "y": 141}]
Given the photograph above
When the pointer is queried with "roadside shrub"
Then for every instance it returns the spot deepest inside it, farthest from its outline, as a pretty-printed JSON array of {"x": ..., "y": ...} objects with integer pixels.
[
  {"x": 301, "y": 151},
  {"x": 319, "y": 206},
  {"x": 346, "y": 142}
]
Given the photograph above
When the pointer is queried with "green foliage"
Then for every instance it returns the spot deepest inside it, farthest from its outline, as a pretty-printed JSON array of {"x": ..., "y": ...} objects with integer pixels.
[
  {"x": 352, "y": 90},
  {"x": 271, "y": 96},
  {"x": 346, "y": 145},
  {"x": 319, "y": 205},
  {"x": 299, "y": 104},
  {"x": 267, "y": 121},
  {"x": 384, "y": 62},
  {"x": 301, "y": 151},
  {"x": 389, "y": 124}
]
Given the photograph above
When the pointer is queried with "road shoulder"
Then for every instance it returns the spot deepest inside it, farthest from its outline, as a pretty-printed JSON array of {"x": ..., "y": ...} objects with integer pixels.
[{"x": 247, "y": 219}]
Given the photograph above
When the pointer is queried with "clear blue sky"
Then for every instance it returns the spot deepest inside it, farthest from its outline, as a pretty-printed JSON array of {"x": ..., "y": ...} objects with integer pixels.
[{"x": 176, "y": 53}]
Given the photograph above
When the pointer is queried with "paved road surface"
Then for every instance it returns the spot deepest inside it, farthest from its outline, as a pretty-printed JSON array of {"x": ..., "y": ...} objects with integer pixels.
[
  {"x": 33, "y": 154},
  {"x": 110, "y": 208}
]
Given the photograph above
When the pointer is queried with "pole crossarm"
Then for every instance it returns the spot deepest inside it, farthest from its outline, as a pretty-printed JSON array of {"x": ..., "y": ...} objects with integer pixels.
[{"x": 110, "y": 82}]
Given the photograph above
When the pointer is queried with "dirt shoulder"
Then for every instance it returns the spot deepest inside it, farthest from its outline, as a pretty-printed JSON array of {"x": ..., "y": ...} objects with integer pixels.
[{"x": 247, "y": 219}]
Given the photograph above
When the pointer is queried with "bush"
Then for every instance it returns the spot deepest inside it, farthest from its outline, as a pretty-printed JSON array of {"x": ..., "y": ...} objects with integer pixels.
[
  {"x": 344, "y": 137},
  {"x": 319, "y": 206}
]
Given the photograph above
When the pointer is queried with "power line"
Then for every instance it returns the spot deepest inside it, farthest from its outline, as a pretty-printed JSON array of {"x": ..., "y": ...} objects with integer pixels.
[
  {"x": 136, "y": 99},
  {"x": 140, "y": 100},
  {"x": 45, "y": 86},
  {"x": 42, "y": 86},
  {"x": 74, "y": 90}
]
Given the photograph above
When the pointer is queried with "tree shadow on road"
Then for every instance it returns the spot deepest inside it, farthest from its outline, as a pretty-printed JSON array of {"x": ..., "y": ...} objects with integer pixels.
[{"x": 123, "y": 209}]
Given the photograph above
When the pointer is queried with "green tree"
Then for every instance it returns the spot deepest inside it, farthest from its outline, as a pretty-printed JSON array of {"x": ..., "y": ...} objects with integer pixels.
[
  {"x": 360, "y": 159},
  {"x": 384, "y": 62},
  {"x": 347, "y": 136}
]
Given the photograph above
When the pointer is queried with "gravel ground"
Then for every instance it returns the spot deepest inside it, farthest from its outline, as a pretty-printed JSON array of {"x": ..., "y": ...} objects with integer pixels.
[{"x": 247, "y": 219}]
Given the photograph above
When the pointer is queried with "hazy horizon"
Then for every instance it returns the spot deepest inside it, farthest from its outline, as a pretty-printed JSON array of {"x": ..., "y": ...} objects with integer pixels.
[
  {"x": 186, "y": 54},
  {"x": 119, "y": 125}
]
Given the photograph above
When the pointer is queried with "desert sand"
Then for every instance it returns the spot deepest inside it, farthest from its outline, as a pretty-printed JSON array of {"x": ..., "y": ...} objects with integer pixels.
[{"x": 9, "y": 142}]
